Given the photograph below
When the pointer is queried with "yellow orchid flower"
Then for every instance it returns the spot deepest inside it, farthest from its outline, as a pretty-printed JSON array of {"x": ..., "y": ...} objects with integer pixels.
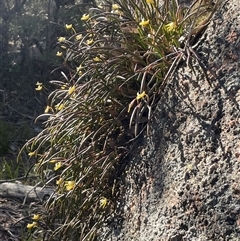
[
  {"x": 96, "y": 59},
  {"x": 63, "y": 87},
  {"x": 32, "y": 225},
  {"x": 36, "y": 217},
  {"x": 80, "y": 73},
  {"x": 150, "y": 2},
  {"x": 103, "y": 202},
  {"x": 53, "y": 161},
  {"x": 118, "y": 12},
  {"x": 71, "y": 89},
  {"x": 59, "y": 181},
  {"x": 140, "y": 96},
  {"x": 57, "y": 166},
  {"x": 68, "y": 26},
  {"x": 61, "y": 39},
  {"x": 48, "y": 108},
  {"x": 115, "y": 7},
  {"x": 89, "y": 42},
  {"x": 85, "y": 17},
  {"x": 171, "y": 27},
  {"x": 144, "y": 23},
  {"x": 79, "y": 70},
  {"x": 39, "y": 86},
  {"x": 78, "y": 37},
  {"x": 31, "y": 153},
  {"x": 69, "y": 185},
  {"x": 59, "y": 106},
  {"x": 59, "y": 54}
]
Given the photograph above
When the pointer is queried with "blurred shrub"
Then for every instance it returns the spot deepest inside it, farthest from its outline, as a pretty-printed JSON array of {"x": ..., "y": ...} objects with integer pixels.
[{"x": 4, "y": 138}]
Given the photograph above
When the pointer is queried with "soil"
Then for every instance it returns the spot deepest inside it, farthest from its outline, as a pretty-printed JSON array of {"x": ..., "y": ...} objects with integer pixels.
[
  {"x": 12, "y": 219},
  {"x": 183, "y": 183}
]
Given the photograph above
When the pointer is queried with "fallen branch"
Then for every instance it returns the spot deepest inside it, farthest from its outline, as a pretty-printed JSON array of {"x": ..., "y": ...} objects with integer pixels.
[{"x": 26, "y": 193}]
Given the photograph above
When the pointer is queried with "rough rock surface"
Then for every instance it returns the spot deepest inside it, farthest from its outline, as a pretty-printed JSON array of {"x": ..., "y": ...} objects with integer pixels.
[{"x": 184, "y": 181}]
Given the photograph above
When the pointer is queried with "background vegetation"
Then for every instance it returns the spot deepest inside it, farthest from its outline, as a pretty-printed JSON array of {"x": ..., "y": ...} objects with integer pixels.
[{"x": 28, "y": 35}]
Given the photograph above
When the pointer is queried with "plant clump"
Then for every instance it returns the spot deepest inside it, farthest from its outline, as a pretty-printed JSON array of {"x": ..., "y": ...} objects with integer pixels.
[{"x": 117, "y": 68}]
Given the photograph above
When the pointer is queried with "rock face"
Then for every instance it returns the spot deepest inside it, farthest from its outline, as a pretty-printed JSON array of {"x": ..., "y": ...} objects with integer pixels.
[{"x": 184, "y": 181}]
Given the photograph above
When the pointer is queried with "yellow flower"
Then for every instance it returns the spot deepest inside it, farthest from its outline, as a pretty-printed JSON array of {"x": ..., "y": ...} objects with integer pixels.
[
  {"x": 59, "y": 54},
  {"x": 71, "y": 89},
  {"x": 97, "y": 59},
  {"x": 68, "y": 26},
  {"x": 36, "y": 217},
  {"x": 118, "y": 12},
  {"x": 61, "y": 39},
  {"x": 80, "y": 73},
  {"x": 89, "y": 42},
  {"x": 171, "y": 27},
  {"x": 63, "y": 87},
  {"x": 103, "y": 202},
  {"x": 32, "y": 225},
  {"x": 31, "y": 153},
  {"x": 150, "y": 2},
  {"x": 59, "y": 106},
  {"x": 85, "y": 17},
  {"x": 79, "y": 70},
  {"x": 57, "y": 166},
  {"x": 69, "y": 185},
  {"x": 78, "y": 37},
  {"x": 59, "y": 181},
  {"x": 52, "y": 161},
  {"x": 39, "y": 86},
  {"x": 115, "y": 7},
  {"x": 144, "y": 23},
  {"x": 48, "y": 108},
  {"x": 63, "y": 47},
  {"x": 140, "y": 96}
]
